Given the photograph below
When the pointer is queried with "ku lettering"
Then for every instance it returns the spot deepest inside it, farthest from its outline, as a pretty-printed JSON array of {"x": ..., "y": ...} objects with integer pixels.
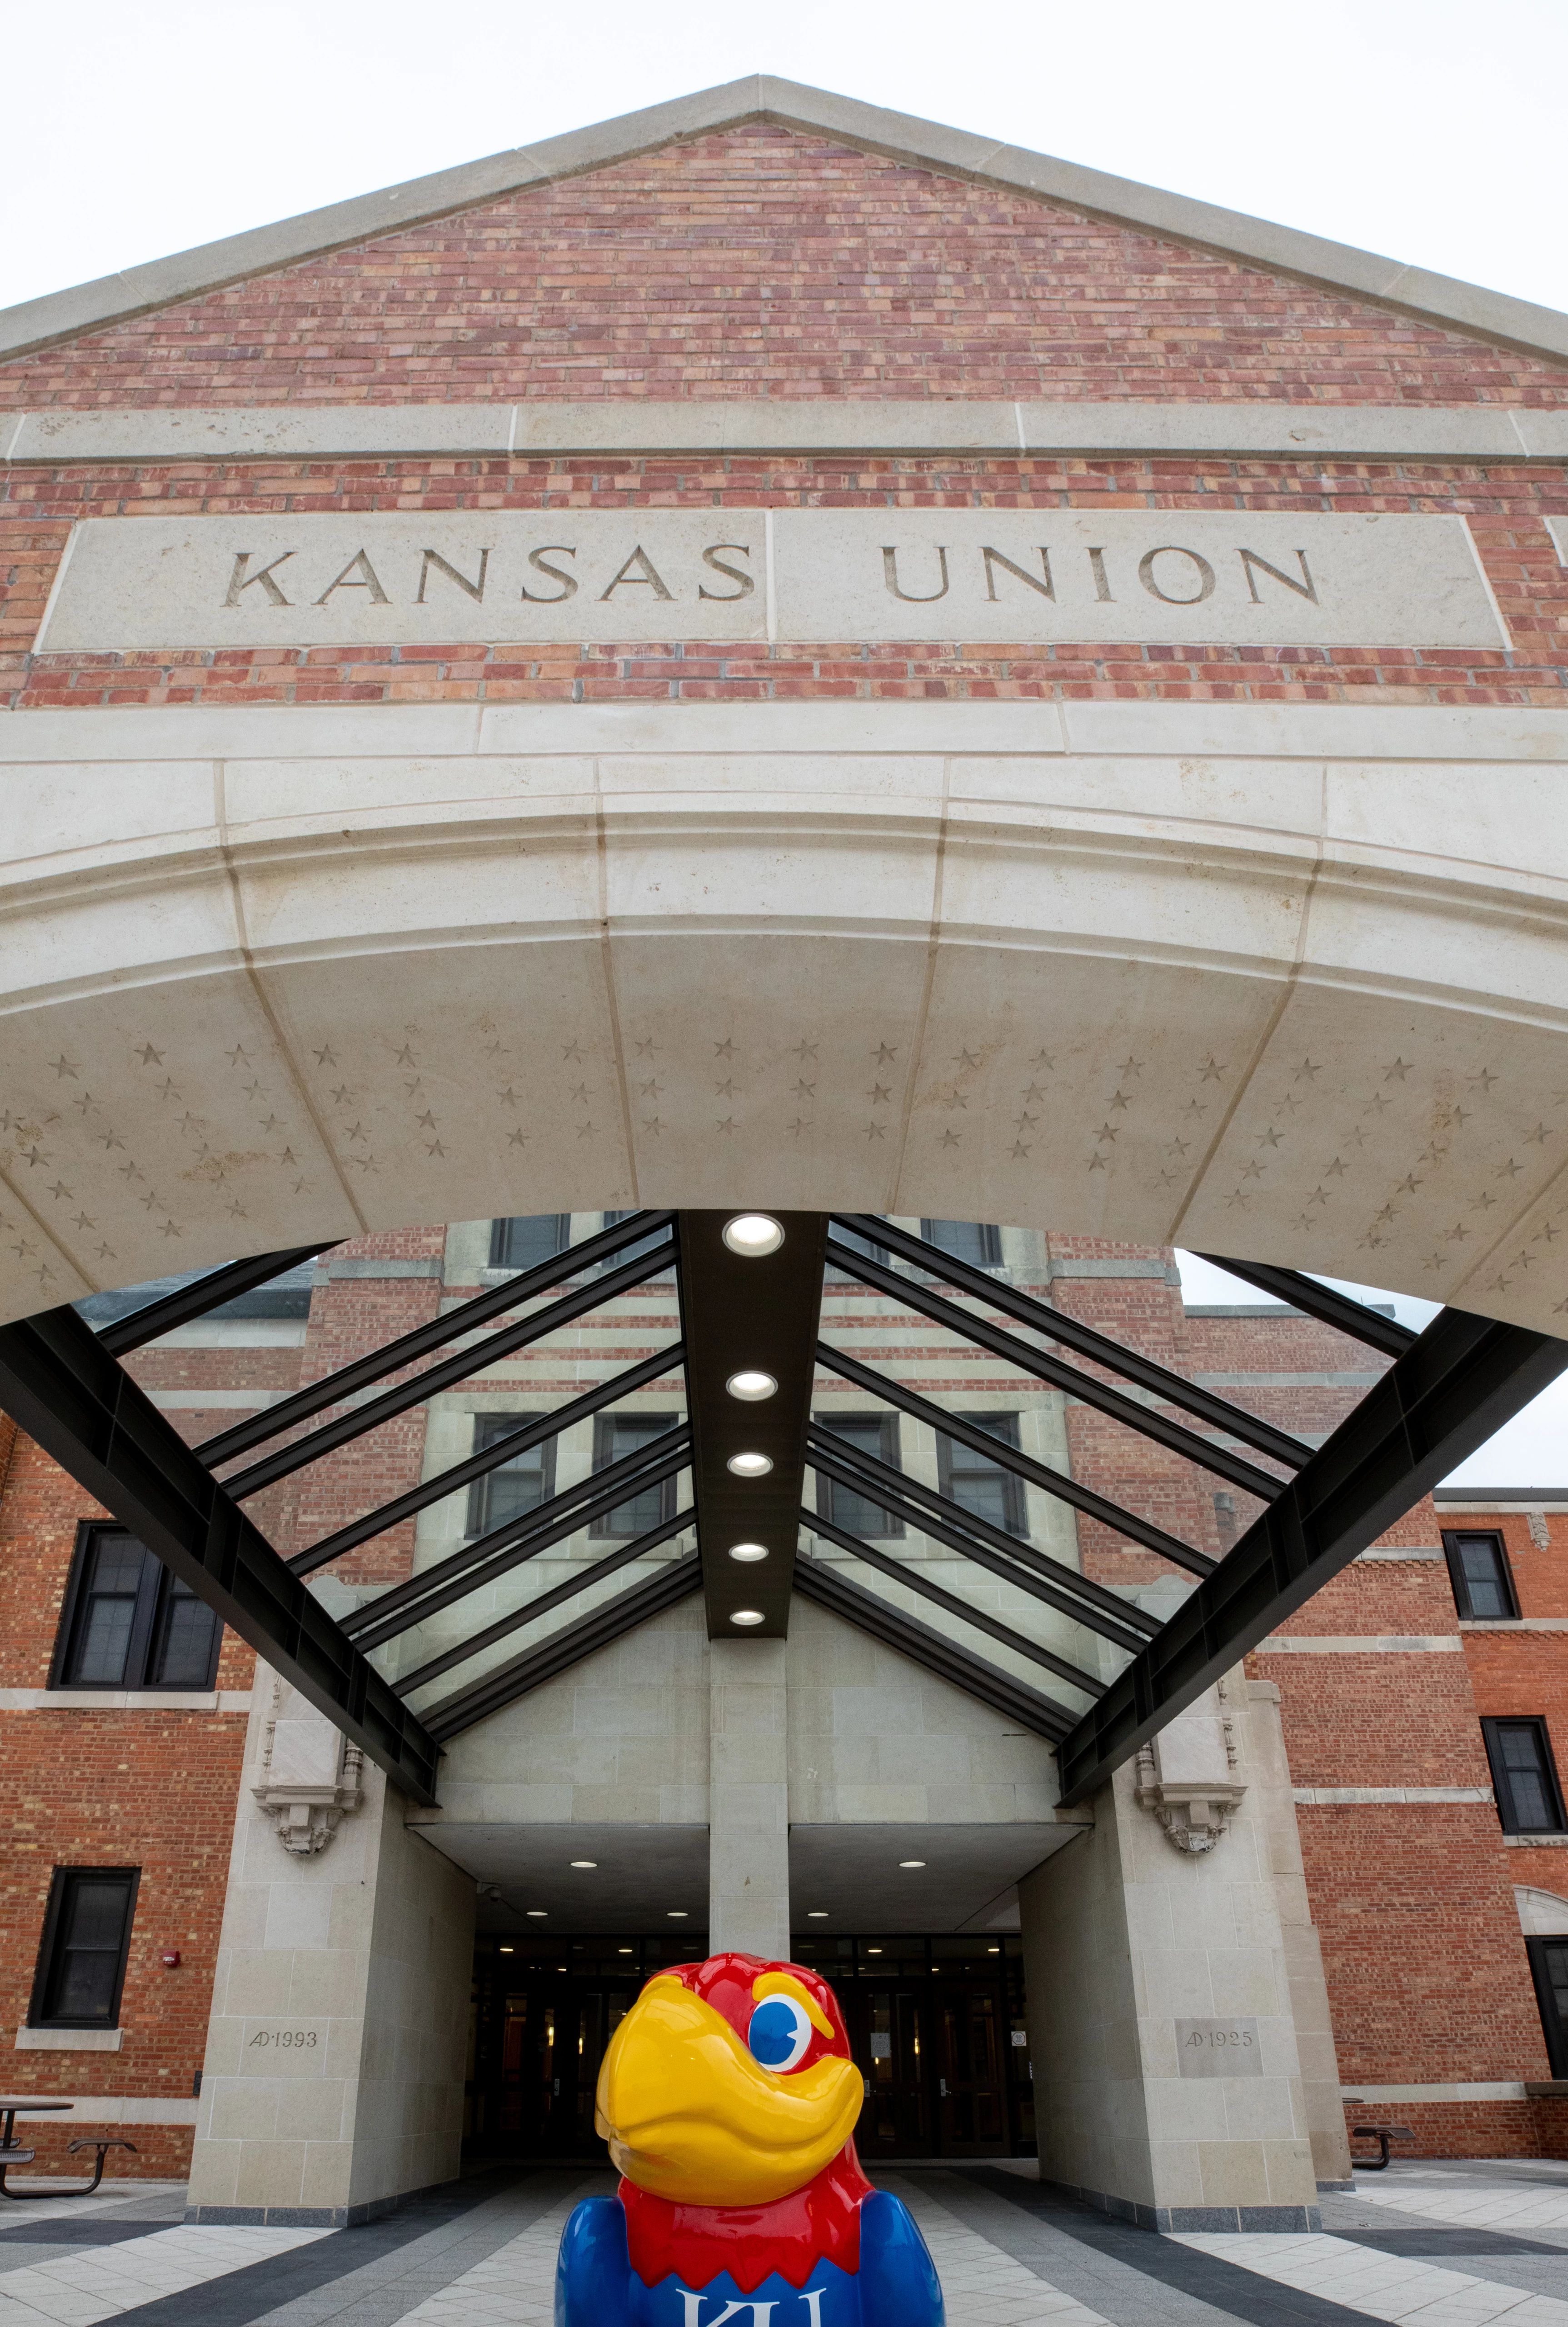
[{"x": 728, "y": 2098}]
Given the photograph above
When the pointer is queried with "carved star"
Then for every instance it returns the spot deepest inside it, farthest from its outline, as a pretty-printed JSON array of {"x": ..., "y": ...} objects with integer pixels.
[
  {"x": 1397, "y": 1071},
  {"x": 1130, "y": 1066},
  {"x": 341, "y": 1095},
  {"x": 1509, "y": 1171},
  {"x": 1269, "y": 1138},
  {"x": 1096, "y": 1162},
  {"x": 1335, "y": 1170},
  {"x": 884, "y": 1055},
  {"x": 1484, "y": 1080},
  {"x": 1032, "y": 1093},
  {"x": 726, "y": 1090},
  {"x": 804, "y": 1050},
  {"x": 805, "y": 1091},
  {"x": 879, "y": 1095},
  {"x": 650, "y": 1090},
  {"x": 949, "y": 1139},
  {"x": 727, "y": 1126},
  {"x": 1119, "y": 1099},
  {"x": 966, "y": 1059},
  {"x": 149, "y": 1057},
  {"x": 1046, "y": 1063},
  {"x": 110, "y": 1138},
  {"x": 875, "y": 1130},
  {"x": 1019, "y": 1150},
  {"x": 506, "y": 1098},
  {"x": 403, "y": 1057},
  {"x": 1308, "y": 1073},
  {"x": 517, "y": 1139},
  {"x": 573, "y": 1049},
  {"x": 63, "y": 1066},
  {"x": 726, "y": 1049},
  {"x": 645, "y": 1049},
  {"x": 325, "y": 1057},
  {"x": 425, "y": 1121},
  {"x": 1213, "y": 1069},
  {"x": 1539, "y": 1137}
]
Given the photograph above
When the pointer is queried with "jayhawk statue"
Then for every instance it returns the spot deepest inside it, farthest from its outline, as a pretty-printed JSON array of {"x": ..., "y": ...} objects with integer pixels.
[{"x": 728, "y": 2098}]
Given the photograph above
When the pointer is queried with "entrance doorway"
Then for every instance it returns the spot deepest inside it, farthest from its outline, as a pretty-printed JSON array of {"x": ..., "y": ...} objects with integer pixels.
[{"x": 936, "y": 2027}]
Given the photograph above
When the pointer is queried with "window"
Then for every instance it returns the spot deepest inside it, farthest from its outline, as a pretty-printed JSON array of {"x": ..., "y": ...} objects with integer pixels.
[
  {"x": 1524, "y": 1776},
  {"x": 82, "y": 1963},
  {"x": 518, "y": 1485},
  {"x": 1549, "y": 1968},
  {"x": 975, "y": 1241},
  {"x": 631, "y": 1251},
  {"x": 525, "y": 1242},
  {"x": 128, "y": 1623},
  {"x": 857, "y": 1243},
  {"x": 1478, "y": 1569},
  {"x": 980, "y": 1484},
  {"x": 615, "y": 1436},
  {"x": 873, "y": 1434}
]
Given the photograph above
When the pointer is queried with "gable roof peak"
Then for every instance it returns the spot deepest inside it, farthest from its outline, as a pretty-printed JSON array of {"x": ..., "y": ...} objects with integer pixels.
[{"x": 1337, "y": 266}]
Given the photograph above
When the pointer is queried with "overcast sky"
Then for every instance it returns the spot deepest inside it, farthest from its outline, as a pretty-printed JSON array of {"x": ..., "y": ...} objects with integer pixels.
[{"x": 1433, "y": 132}]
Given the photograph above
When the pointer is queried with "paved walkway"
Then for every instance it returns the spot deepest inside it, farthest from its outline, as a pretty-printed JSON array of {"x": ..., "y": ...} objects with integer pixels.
[{"x": 1445, "y": 2246}]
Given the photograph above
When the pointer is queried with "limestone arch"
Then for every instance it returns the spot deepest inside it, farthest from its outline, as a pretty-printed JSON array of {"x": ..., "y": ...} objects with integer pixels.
[{"x": 1288, "y": 986}]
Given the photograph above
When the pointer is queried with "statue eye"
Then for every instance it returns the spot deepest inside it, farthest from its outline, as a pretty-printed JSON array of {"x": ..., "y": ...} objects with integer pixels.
[{"x": 778, "y": 2033}]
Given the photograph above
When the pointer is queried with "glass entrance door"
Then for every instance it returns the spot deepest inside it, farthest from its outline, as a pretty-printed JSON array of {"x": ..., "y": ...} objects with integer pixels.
[
  {"x": 971, "y": 2090},
  {"x": 553, "y": 2033},
  {"x": 894, "y": 2047}
]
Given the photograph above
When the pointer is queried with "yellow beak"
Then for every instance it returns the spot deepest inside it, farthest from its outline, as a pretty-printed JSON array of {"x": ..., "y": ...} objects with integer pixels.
[{"x": 688, "y": 2114}]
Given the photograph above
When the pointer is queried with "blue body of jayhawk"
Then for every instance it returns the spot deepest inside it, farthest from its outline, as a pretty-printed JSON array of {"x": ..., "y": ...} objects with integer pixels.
[{"x": 729, "y": 2100}]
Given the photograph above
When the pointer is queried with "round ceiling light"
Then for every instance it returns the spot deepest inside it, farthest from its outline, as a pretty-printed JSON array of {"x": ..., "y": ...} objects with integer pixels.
[
  {"x": 751, "y": 1384},
  {"x": 749, "y": 1466},
  {"x": 747, "y": 1616},
  {"x": 752, "y": 1235},
  {"x": 911, "y": 1862},
  {"x": 538, "y": 1914},
  {"x": 675, "y": 1914},
  {"x": 586, "y": 1862},
  {"x": 747, "y": 1553},
  {"x": 817, "y": 1915}
]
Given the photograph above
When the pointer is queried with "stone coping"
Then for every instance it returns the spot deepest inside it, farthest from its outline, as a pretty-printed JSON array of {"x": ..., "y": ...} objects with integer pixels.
[
  {"x": 822, "y": 427},
  {"x": 763, "y": 97}
]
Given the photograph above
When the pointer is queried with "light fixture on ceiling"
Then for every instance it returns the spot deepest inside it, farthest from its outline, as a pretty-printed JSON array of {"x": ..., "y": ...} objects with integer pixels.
[
  {"x": 625, "y": 1951},
  {"x": 747, "y": 1616},
  {"x": 589, "y": 1862},
  {"x": 676, "y": 1914},
  {"x": 752, "y": 1235},
  {"x": 751, "y": 1384},
  {"x": 911, "y": 1862},
  {"x": 506, "y": 1951},
  {"x": 538, "y": 1914},
  {"x": 873, "y": 1951},
  {"x": 817, "y": 1915},
  {"x": 748, "y": 1554},
  {"x": 749, "y": 1466},
  {"x": 994, "y": 1951}
]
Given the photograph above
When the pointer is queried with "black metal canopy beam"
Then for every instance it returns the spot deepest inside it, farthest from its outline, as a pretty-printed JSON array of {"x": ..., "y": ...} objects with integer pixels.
[
  {"x": 504, "y": 1343},
  {"x": 739, "y": 1314},
  {"x": 909, "y": 1573},
  {"x": 188, "y": 1302},
  {"x": 392, "y": 1356},
  {"x": 1058, "y": 1325},
  {"x": 489, "y": 1458},
  {"x": 1457, "y": 1383},
  {"x": 1146, "y": 1420},
  {"x": 920, "y": 1506},
  {"x": 815, "y": 1580},
  {"x": 524, "y": 1538},
  {"x": 75, "y": 1398},
  {"x": 1011, "y": 1458},
  {"x": 582, "y": 1579},
  {"x": 1322, "y": 1302},
  {"x": 565, "y": 1648}
]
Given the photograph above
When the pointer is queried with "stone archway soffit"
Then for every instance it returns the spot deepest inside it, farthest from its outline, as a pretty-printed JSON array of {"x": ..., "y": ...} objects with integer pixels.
[{"x": 136, "y": 291}]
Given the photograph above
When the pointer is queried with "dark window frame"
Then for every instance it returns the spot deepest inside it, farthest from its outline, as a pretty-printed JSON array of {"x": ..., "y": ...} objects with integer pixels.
[
  {"x": 1453, "y": 1538},
  {"x": 1016, "y": 1520},
  {"x": 61, "y": 1885},
  {"x": 499, "y": 1232},
  {"x": 604, "y": 1529},
  {"x": 478, "y": 1520},
  {"x": 1492, "y": 1726},
  {"x": 990, "y": 1240},
  {"x": 149, "y": 1623},
  {"x": 888, "y": 1451},
  {"x": 1553, "y": 2024}
]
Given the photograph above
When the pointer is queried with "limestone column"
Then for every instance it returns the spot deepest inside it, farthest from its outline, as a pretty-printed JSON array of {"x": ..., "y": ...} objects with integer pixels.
[
  {"x": 749, "y": 1800},
  {"x": 1303, "y": 1948},
  {"x": 1167, "y": 2084},
  {"x": 333, "y": 2075}
]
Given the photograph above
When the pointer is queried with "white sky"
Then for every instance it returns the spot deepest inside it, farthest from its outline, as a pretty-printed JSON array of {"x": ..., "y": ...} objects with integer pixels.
[
  {"x": 1428, "y": 129},
  {"x": 1423, "y": 128}
]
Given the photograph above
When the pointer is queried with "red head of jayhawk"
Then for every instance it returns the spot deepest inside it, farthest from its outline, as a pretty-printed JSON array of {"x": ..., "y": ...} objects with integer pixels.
[{"x": 728, "y": 2083}]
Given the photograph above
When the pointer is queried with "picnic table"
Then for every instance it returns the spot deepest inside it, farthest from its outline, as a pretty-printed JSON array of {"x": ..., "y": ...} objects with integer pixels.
[{"x": 15, "y": 2153}]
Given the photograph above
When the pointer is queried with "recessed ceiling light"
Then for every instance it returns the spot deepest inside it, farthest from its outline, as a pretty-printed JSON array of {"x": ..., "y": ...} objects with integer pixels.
[
  {"x": 994, "y": 1951},
  {"x": 625, "y": 1951},
  {"x": 752, "y": 1235},
  {"x": 873, "y": 1951},
  {"x": 817, "y": 1915},
  {"x": 747, "y": 1553},
  {"x": 538, "y": 1914},
  {"x": 676, "y": 1914},
  {"x": 751, "y": 1384},
  {"x": 586, "y": 1862},
  {"x": 506, "y": 1951},
  {"x": 749, "y": 1466},
  {"x": 747, "y": 1616},
  {"x": 911, "y": 1862}
]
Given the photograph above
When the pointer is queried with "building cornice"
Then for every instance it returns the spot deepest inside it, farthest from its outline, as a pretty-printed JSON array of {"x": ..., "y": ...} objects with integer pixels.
[
  {"x": 821, "y": 428},
  {"x": 760, "y": 97}
]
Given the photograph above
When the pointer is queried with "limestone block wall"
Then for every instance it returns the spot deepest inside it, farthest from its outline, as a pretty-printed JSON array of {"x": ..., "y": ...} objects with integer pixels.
[
  {"x": 333, "y": 2073},
  {"x": 1124, "y": 1937}
]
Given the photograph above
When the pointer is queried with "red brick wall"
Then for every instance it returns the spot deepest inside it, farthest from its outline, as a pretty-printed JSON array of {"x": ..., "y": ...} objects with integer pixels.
[{"x": 762, "y": 261}]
